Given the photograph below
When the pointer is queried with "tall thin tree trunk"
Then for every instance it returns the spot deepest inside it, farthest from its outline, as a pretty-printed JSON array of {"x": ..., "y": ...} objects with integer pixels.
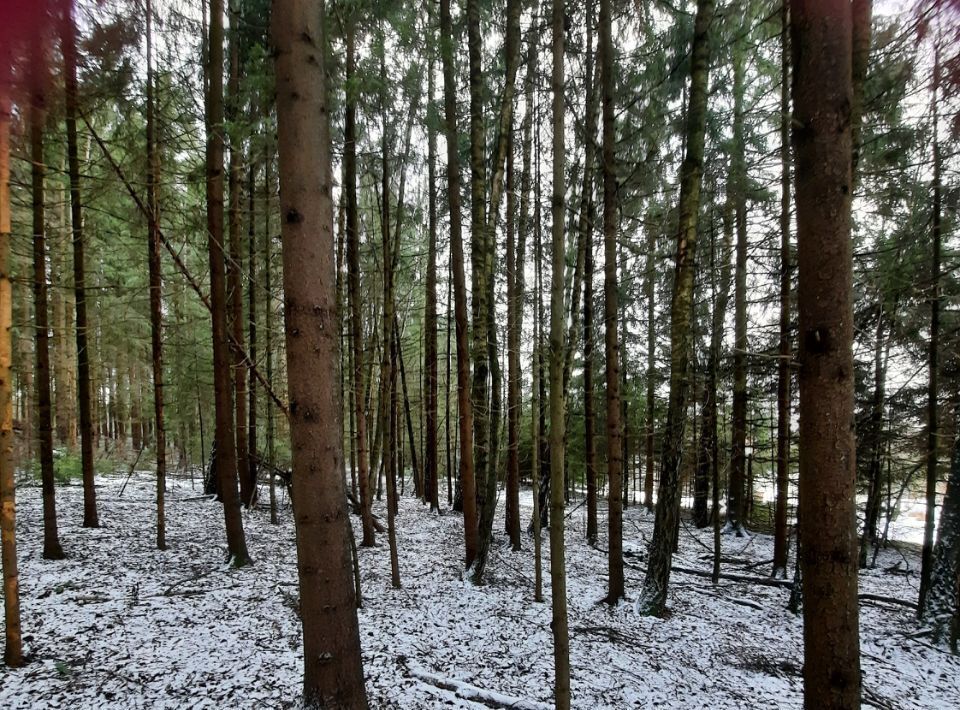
[
  {"x": 933, "y": 351},
  {"x": 51, "y": 540},
  {"x": 156, "y": 293},
  {"x": 822, "y": 89},
  {"x": 388, "y": 376},
  {"x": 268, "y": 319},
  {"x": 615, "y": 590},
  {"x": 470, "y": 523},
  {"x": 235, "y": 264},
  {"x": 736, "y": 495},
  {"x": 585, "y": 232},
  {"x": 649, "y": 423},
  {"x": 353, "y": 285},
  {"x": 13, "y": 644},
  {"x": 90, "y": 518},
  {"x": 558, "y": 573},
  {"x": 252, "y": 330},
  {"x": 781, "y": 539},
  {"x": 333, "y": 672},
  {"x": 653, "y": 598},
  {"x": 430, "y": 458},
  {"x": 487, "y": 433},
  {"x": 222, "y": 379}
]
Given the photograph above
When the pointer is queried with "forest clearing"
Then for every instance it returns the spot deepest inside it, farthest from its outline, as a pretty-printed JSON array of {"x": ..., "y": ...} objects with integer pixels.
[
  {"x": 524, "y": 354},
  {"x": 123, "y": 625}
]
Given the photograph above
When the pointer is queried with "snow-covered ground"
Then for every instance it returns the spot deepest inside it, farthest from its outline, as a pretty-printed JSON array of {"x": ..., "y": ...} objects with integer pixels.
[{"x": 121, "y": 625}]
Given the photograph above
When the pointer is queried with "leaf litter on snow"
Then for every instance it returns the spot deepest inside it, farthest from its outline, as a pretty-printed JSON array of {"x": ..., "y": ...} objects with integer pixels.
[{"x": 120, "y": 624}]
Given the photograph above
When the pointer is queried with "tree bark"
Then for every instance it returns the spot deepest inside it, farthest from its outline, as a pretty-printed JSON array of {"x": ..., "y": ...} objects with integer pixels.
[
  {"x": 470, "y": 523},
  {"x": 156, "y": 293},
  {"x": 333, "y": 673},
  {"x": 822, "y": 88},
  {"x": 653, "y": 599},
  {"x": 222, "y": 380},
  {"x": 13, "y": 643},
  {"x": 90, "y": 518},
  {"x": 430, "y": 468},
  {"x": 615, "y": 590},
  {"x": 933, "y": 350},
  {"x": 558, "y": 573},
  {"x": 736, "y": 496},
  {"x": 235, "y": 265},
  {"x": 781, "y": 539},
  {"x": 51, "y": 541}
]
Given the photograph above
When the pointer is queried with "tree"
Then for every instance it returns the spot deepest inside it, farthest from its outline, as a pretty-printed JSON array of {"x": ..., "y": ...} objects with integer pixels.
[
  {"x": 156, "y": 293},
  {"x": 653, "y": 598},
  {"x": 611, "y": 341},
  {"x": 333, "y": 673},
  {"x": 822, "y": 91},
  {"x": 51, "y": 541},
  {"x": 353, "y": 282},
  {"x": 736, "y": 498},
  {"x": 558, "y": 574},
  {"x": 226, "y": 456},
  {"x": 470, "y": 523},
  {"x": 430, "y": 468},
  {"x": 90, "y": 518},
  {"x": 13, "y": 643},
  {"x": 785, "y": 350}
]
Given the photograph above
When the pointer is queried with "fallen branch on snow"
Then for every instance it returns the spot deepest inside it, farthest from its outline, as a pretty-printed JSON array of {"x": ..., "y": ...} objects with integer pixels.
[{"x": 465, "y": 691}]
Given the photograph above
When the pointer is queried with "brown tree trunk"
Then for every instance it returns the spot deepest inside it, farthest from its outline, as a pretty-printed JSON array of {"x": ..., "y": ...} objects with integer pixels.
[
  {"x": 781, "y": 539},
  {"x": 585, "y": 232},
  {"x": 470, "y": 526},
  {"x": 933, "y": 353},
  {"x": 252, "y": 330},
  {"x": 486, "y": 433},
  {"x": 90, "y": 519},
  {"x": 649, "y": 423},
  {"x": 353, "y": 285},
  {"x": 388, "y": 360},
  {"x": 736, "y": 495},
  {"x": 430, "y": 457},
  {"x": 653, "y": 598},
  {"x": 822, "y": 88},
  {"x": 558, "y": 573},
  {"x": 333, "y": 673},
  {"x": 13, "y": 644},
  {"x": 222, "y": 380},
  {"x": 156, "y": 292},
  {"x": 235, "y": 265},
  {"x": 615, "y": 590},
  {"x": 51, "y": 541}
]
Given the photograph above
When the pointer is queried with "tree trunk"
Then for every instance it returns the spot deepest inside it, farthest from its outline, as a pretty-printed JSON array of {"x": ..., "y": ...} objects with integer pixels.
[
  {"x": 13, "y": 644},
  {"x": 333, "y": 673},
  {"x": 615, "y": 590},
  {"x": 653, "y": 599},
  {"x": 51, "y": 540},
  {"x": 235, "y": 265},
  {"x": 821, "y": 39},
  {"x": 649, "y": 423},
  {"x": 781, "y": 539},
  {"x": 430, "y": 365},
  {"x": 933, "y": 356},
  {"x": 388, "y": 356},
  {"x": 470, "y": 526},
  {"x": 942, "y": 603},
  {"x": 156, "y": 293},
  {"x": 222, "y": 381},
  {"x": 585, "y": 232},
  {"x": 252, "y": 330},
  {"x": 90, "y": 519},
  {"x": 353, "y": 285},
  {"x": 736, "y": 496},
  {"x": 486, "y": 433},
  {"x": 558, "y": 573}
]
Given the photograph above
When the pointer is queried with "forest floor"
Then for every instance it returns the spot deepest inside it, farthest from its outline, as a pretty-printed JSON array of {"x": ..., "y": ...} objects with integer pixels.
[{"x": 120, "y": 625}]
